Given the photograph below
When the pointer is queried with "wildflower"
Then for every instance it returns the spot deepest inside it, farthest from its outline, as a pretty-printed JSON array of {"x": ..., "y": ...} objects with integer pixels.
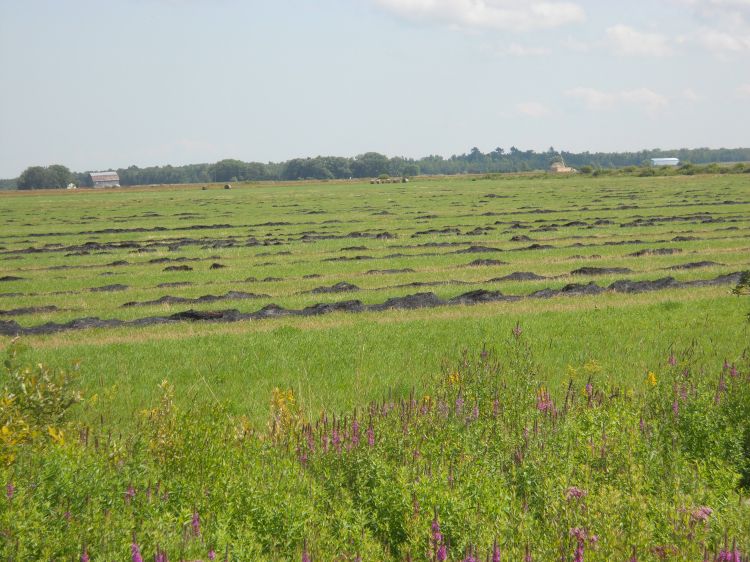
[
  {"x": 701, "y": 514},
  {"x": 442, "y": 553},
  {"x": 135, "y": 552},
  {"x": 589, "y": 389},
  {"x": 672, "y": 360},
  {"x": 129, "y": 494},
  {"x": 517, "y": 331},
  {"x": 495, "y": 552},
  {"x": 161, "y": 556},
  {"x": 370, "y": 436},
  {"x": 475, "y": 412},
  {"x": 459, "y": 403},
  {"x": 676, "y": 407},
  {"x": 436, "y": 534},
  {"x": 651, "y": 378},
  {"x": 10, "y": 490},
  {"x": 574, "y": 493},
  {"x": 212, "y": 554},
  {"x": 580, "y": 536},
  {"x": 733, "y": 371},
  {"x": 527, "y": 557},
  {"x": 543, "y": 401},
  {"x": 355, "y": 432},
  {"x": 305, "y": 553},
  {"x": 85, "y": 555},
  {"x": 195, "y": 523}
]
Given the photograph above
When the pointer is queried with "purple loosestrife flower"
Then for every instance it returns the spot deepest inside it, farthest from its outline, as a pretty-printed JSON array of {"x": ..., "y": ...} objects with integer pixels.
[
  {"x": 355, "y": 432},
  {"x": 580, "y": 536},
  {"x": 135, "y": 552},
  {"x": 129, "y": 494},
  {"x": 527, "y": 557},
  {"x": 442, "y": 553},
  {"x": 459, "y": 403},
  {"x": 495, "y": 552},
  {"x": 161, "y": 556},
  {"x": 195, "y": 523},
  {"x": 370, "y": 436},
  {"x": 212, "y": 554},
  {"x": 305, "y": 553},
  {"x": 672, "y": 360},
  {"x": 733, "y": 371},
  {"x": 676, "y": 407},
  {"x": 10, "y": 490},
  {"x": 85, "y": 555},
  {"x": 701, "y": 514},
  {"x": 574, "y": 493},
  {"x": 436, "y": 534}
]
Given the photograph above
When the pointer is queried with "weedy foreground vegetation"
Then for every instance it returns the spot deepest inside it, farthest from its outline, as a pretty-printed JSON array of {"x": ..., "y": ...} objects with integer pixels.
[{"x": 602, "y": 410}]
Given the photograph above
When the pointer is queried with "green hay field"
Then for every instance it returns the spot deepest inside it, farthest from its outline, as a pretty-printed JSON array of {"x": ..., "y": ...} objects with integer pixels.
[{"x": 283, "y": 241}]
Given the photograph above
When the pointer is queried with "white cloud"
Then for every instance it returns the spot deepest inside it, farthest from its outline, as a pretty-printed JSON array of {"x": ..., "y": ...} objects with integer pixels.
[
  {"x": 628, "y": 41},
  {"x": 688, "y": 94},
  {"x": 517, "y": 50},
  {"x": 489, "y": 14},
  {"x": 744, "y": 90},
  {"x": 598, "y": 99},
  {"x": 724, "y": 25},
  {"x": 724, "y": 41},
  {"x": 533, "y": 109}
]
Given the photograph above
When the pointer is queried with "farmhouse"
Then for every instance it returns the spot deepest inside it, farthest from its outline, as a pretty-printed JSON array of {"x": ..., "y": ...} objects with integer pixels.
[
  {"x": 665, "y": 161},
  {"x": 105, "y": 179}
]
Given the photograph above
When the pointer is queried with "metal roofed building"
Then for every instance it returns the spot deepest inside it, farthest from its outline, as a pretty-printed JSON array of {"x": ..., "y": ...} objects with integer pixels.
[
  {"x": 665, "y": 161},
  {"x": 105, "y": 179}
]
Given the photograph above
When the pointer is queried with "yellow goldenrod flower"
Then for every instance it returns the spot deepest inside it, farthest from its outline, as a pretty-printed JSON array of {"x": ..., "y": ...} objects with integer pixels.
[{"x": 651, "y": 378}]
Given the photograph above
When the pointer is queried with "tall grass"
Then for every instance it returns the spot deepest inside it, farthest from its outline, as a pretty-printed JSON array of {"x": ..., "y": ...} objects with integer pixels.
[{"x": 491, "y": 460}]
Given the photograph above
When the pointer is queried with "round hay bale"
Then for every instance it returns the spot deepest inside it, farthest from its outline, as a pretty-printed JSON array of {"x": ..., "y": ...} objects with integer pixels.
[{"x": 227, "y": 186}]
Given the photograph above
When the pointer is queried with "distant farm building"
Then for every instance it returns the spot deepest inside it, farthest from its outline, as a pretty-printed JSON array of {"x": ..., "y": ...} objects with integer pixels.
[
  {"x": 105, "y": 179},
  {"x": 665, "y": 161},
  {"x": 560, "y": 168}
]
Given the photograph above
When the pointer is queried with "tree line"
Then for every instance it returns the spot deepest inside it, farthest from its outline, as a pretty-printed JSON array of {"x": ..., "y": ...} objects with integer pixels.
[{"x": 370, "y": 164}]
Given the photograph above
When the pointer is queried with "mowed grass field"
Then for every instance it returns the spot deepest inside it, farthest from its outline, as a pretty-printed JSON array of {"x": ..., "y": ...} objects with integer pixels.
[{"x": 65, "y": 256}]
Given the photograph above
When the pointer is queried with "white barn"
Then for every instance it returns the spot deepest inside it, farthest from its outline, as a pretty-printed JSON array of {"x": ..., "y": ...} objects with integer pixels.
[
  {"x": 665, "y": 161},
  {"x": 105, "y": 179}
]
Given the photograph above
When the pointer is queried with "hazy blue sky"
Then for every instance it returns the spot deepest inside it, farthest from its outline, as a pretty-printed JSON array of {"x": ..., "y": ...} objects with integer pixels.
[{"x": 94, "y": 84}]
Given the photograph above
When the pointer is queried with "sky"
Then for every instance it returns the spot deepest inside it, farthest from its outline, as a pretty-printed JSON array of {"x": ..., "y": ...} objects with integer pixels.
[{"x": 100, "y": 84}]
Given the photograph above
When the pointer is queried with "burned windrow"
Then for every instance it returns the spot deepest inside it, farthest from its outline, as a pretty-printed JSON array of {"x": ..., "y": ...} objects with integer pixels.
[{"x": 415, "y": 301}]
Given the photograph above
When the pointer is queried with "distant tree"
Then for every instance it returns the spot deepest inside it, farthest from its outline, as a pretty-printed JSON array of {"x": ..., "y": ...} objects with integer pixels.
[
  {"x": 225, "y": 170},
  {"x": 410, "y": 170},
  {"x": 55, "y": 176},
  {"x": 475, "y": 155},
  {"x": 369, "y": 164}
]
